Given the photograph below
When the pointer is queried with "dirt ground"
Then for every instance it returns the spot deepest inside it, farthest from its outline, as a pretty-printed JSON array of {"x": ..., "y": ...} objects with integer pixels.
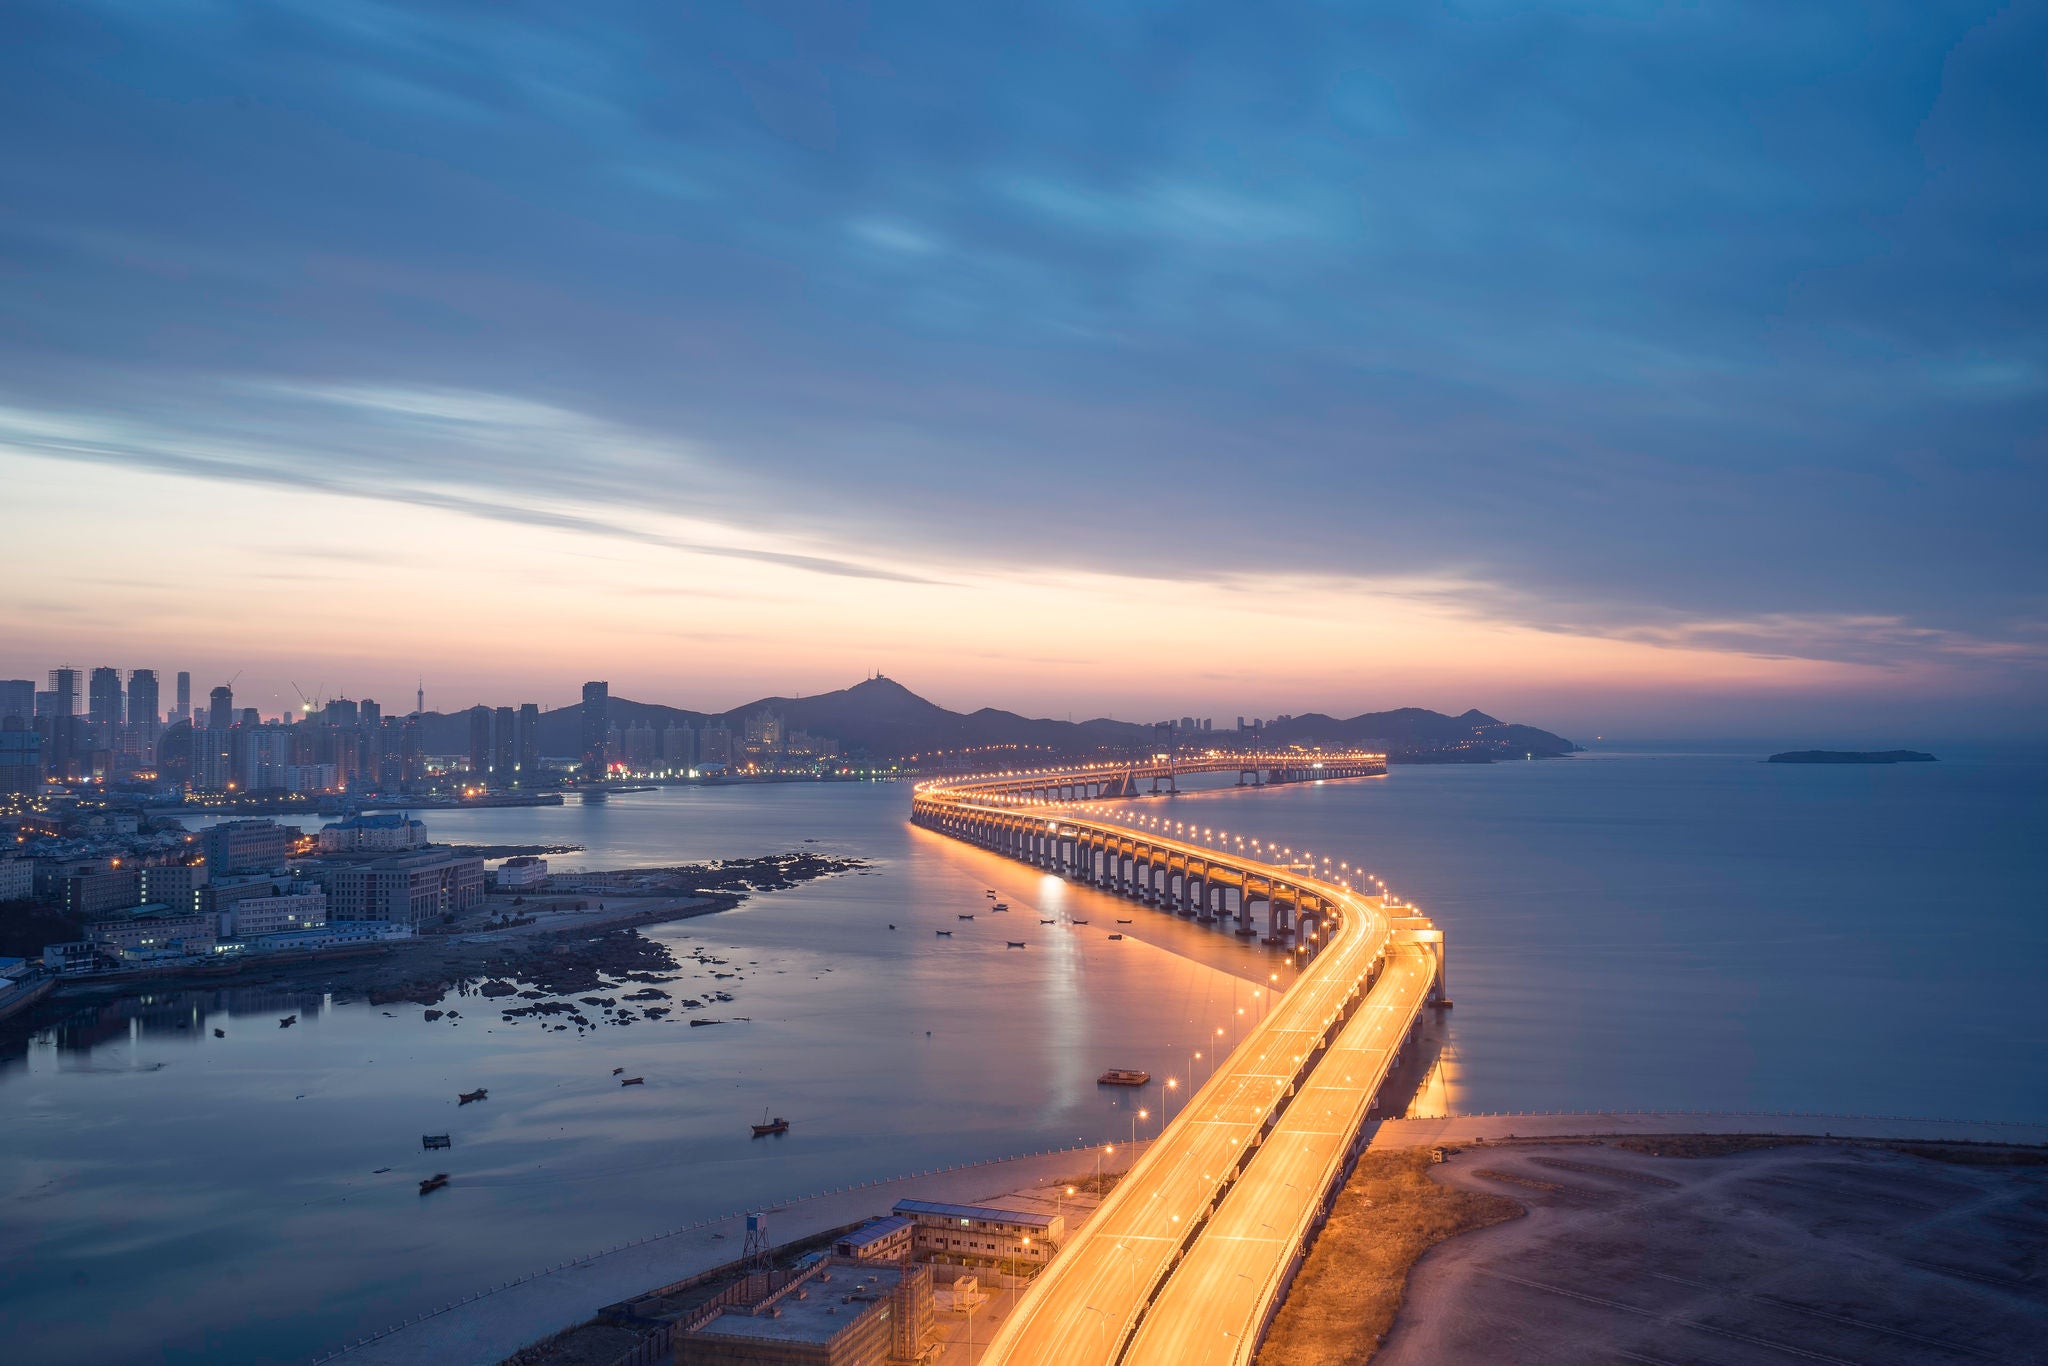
[{"x": 1725, "y": 1250}]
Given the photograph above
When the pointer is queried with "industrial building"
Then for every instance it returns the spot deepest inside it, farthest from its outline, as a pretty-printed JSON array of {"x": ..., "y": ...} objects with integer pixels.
[{"x": 982, "y": 1235}]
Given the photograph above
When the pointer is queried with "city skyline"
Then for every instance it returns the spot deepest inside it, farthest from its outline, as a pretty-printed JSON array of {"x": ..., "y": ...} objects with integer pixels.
[{"x": 505, "y": 352}]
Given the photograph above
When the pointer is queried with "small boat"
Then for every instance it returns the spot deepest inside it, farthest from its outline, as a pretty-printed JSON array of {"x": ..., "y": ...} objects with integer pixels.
[
  {"x": 1002, "y": 905},
  {"x": 287, "y": 1022},
  {"x": 1015, "y": 943},
  {"x": 632, "y": 1081},
  {"x": 967, "y": 917},
  {"x": 466, "y": 1097},
  {"x": 1123, "y": 922},
  {"x": 220, "y": 1033},
  {"x": 943, "y": 934},
  {"x": 1080, "y": 922},
  {"x": 767, "y": 1126},
  {"x": 1123, "y": 1076},
  {"x": 698, "y": 1023},
  {"x": 892, "y": 927},
  {"x": 1116, "y": 936},
  {"x": 617, "y": 1070},
  {"x": 1045, "y": 922},
  {"x": 433, "y": 1141},
  {"x": 434, "y": 1182}
]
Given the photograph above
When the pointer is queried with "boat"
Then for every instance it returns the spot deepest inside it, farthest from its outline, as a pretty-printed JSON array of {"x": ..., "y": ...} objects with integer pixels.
[
  {"x": 1002, "y": 905},
  {"x": 767, "y": 1126},
  {"x": 632, "y": 1081},
  {"x": 220, "y": 1033},
  {"x": 1116, "y": 936},
  {"x": 466, "y": 1097},
  {"x": 434, "y": 1182},
  {"x": 967, "y": 917},
  {"x": 1080, "y": 922},
  {"x": 1123, "y": 1076},
  {"x": 1045, "y": 922},
  {"x": 1123, "y": 922},
  {"x": 287, "y": 1022},
  {"x": 943, "y": 934},
  {"x": 617, "y": 1070},
  {"x": 1014, "y": 943},
  {"x": 892, "y": 927},
  {"x": 694, "y": 1024},
  {"x": 433, "y": 1141}
]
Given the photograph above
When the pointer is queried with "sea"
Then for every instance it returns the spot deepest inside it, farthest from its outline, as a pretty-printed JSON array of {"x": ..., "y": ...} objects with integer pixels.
[{"x": 1674, "y": 926}]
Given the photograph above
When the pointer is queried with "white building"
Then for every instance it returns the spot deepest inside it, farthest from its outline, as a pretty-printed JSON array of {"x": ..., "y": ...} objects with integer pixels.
[
  {"x": 522, "y": 874},
  {"x": 262, "y": 915}
]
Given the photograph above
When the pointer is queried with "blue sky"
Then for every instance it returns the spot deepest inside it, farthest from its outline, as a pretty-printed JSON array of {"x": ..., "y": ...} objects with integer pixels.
[{"x": 1708, "y": 333}]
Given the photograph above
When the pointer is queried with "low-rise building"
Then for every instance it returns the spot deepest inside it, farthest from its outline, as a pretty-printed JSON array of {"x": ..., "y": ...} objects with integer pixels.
[
  {"x": 154, "y": 932},
  {"x": 878, "y": 1240},
  {"x": 304, "y": 908},
  {"x": 174, "y": 884},
  {"x": 101, "y": 891},
  {"x": 411, "y": 890},
  {"x": 334, "y": 934},
  {"x": 982, "y": 1235},
  {"x": 839, "y": 1313},
  {"x": 523, "y": 874},
  {"x": 381, "y": 832},
  {"x": 246, "y": 846}
]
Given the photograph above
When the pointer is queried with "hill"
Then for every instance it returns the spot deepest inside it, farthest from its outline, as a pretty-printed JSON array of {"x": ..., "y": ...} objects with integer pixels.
[{"x": 882, "y": 719}]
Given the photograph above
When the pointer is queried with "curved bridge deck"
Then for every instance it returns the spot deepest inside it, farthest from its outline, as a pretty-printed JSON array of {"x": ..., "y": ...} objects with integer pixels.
[{"x": 1269, "y": 1136}]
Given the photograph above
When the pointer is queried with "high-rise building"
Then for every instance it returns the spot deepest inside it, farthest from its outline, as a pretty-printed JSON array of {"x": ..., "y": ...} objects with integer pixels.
[
  {"x": 479, "y": 741},
  {"x": 21, "y": 755},
  {"x": 372, "y": 714},
  {"x": 64, "y": 687},
  {"x": 597, "y": 720},
  {"x": 104, "y": 694},
  {"x": 144, "y": 710},
  {"x": 528, "y": 744},
  {"x": 18, "y": 698},
  {"x": 504, "y": 747},
  {"x": 220, "y": 708},
  {"x": 184, "y": 711}
]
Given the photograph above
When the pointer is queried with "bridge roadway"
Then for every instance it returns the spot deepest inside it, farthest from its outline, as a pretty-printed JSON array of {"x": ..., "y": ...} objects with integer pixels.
[{"x": 1086, "y": 1307}]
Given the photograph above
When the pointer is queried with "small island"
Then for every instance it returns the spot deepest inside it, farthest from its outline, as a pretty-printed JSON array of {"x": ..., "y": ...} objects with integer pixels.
[{"x": 1851, "y": 756}]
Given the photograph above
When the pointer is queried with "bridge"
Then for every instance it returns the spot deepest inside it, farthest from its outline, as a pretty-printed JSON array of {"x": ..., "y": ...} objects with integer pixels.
[{"x": 1188, "y": 1258}]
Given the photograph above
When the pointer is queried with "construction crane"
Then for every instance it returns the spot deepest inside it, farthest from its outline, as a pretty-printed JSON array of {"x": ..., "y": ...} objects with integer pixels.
[{"x": 309, "y": 705}]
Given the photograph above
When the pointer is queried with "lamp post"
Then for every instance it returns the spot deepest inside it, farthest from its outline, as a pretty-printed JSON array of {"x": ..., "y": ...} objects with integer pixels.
[{"x": 1142, "y": 1114}]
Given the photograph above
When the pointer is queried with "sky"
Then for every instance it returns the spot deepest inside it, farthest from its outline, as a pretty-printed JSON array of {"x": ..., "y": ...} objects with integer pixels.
[{"x": 1665, "y": 368}]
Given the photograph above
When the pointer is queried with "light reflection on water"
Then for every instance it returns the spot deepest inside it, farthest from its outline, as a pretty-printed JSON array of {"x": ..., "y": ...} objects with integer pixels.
[{"x": 226, "y": 1190}]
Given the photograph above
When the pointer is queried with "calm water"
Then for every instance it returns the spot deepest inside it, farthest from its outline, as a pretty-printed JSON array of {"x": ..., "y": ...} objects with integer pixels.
[{"x": 1636, "y": 931}]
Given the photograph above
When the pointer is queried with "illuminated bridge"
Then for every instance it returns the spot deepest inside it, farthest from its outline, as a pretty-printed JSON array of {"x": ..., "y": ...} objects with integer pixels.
[{"x": 1187, "y": 1259}]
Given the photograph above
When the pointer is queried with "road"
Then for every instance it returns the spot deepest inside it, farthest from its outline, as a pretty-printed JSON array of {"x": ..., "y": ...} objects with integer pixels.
[
  {"x": 1215, "y": 1302},
  {"x": 1082, "y": 1306}
]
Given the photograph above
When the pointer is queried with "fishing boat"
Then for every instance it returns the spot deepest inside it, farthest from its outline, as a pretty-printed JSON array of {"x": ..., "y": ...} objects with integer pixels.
[
  {"x": 1123, "y": 1076},
  {"x": 1002, "y": 905},
  {"x": 434, "y": 1182},
  {"x": 694, "y": 1024},
  {"x": 767, "y": 1126},
  {"x": 943, "y": 934},
  {"x": 632, "y": 1081},
  {"x": 1116, "y": 936},
  {"x": 1123, "y": 922},
  {"x": 287, "y": 1022},
  {"x": 465, "y": 1097},
  {"x": 220, "y": 1033},
  {"x": 1015, "y": 943},
  {"x": 1080, "y": 922},
  {"x": 1045, "y": 922}
]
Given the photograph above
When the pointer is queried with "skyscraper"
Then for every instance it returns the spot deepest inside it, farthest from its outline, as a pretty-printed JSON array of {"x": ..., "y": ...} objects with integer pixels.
[
  {"x": 597, "y": 720},
  {"x": 479, "y": 741},
  {"x": 184, "y": 712},
  {"x": 144, "y": 712},
  {"x": 220, "y": 708},
  {"x": 104, "y": 699},
  {"x": 17, "y": 698},
  {"x": 504, "y": 747},
  {"x": 529, "y": 744},
  {"x": 64, "y": 687}
]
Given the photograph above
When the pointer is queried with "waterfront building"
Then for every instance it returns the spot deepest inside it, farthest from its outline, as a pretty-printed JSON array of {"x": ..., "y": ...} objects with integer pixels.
[
  {"x": 597, "y": 720},
  {"x": 639, "y": 746},
  {"x": 304, "y": 908},
  {"x": 381, "y": 832},
  {"x": 523, "y": 874},
  {"x": 263, "y": 758},
  {"x": 838, "y": 1313},
  {"x": 411, "y": 890},
  {"x": 678, "y": 748},
  {"x": 888, "y": 1239},
  {"x": 245, "y": 846},
  {"x": 714, "y": 745},
  {"x": 479, "y": 742},
  {"x": 212, "y": 759},
  {"x": 526, "y": 745},
  {"x": 153, "y": 932},
  {"x": 219, "y": 895},
  {"x": 504, "y": 747},
  {"x": 982, "y": 1235}
]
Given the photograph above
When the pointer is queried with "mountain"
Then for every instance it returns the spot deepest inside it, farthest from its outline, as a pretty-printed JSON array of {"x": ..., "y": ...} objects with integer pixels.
[{"x": 884, "y": 720}]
